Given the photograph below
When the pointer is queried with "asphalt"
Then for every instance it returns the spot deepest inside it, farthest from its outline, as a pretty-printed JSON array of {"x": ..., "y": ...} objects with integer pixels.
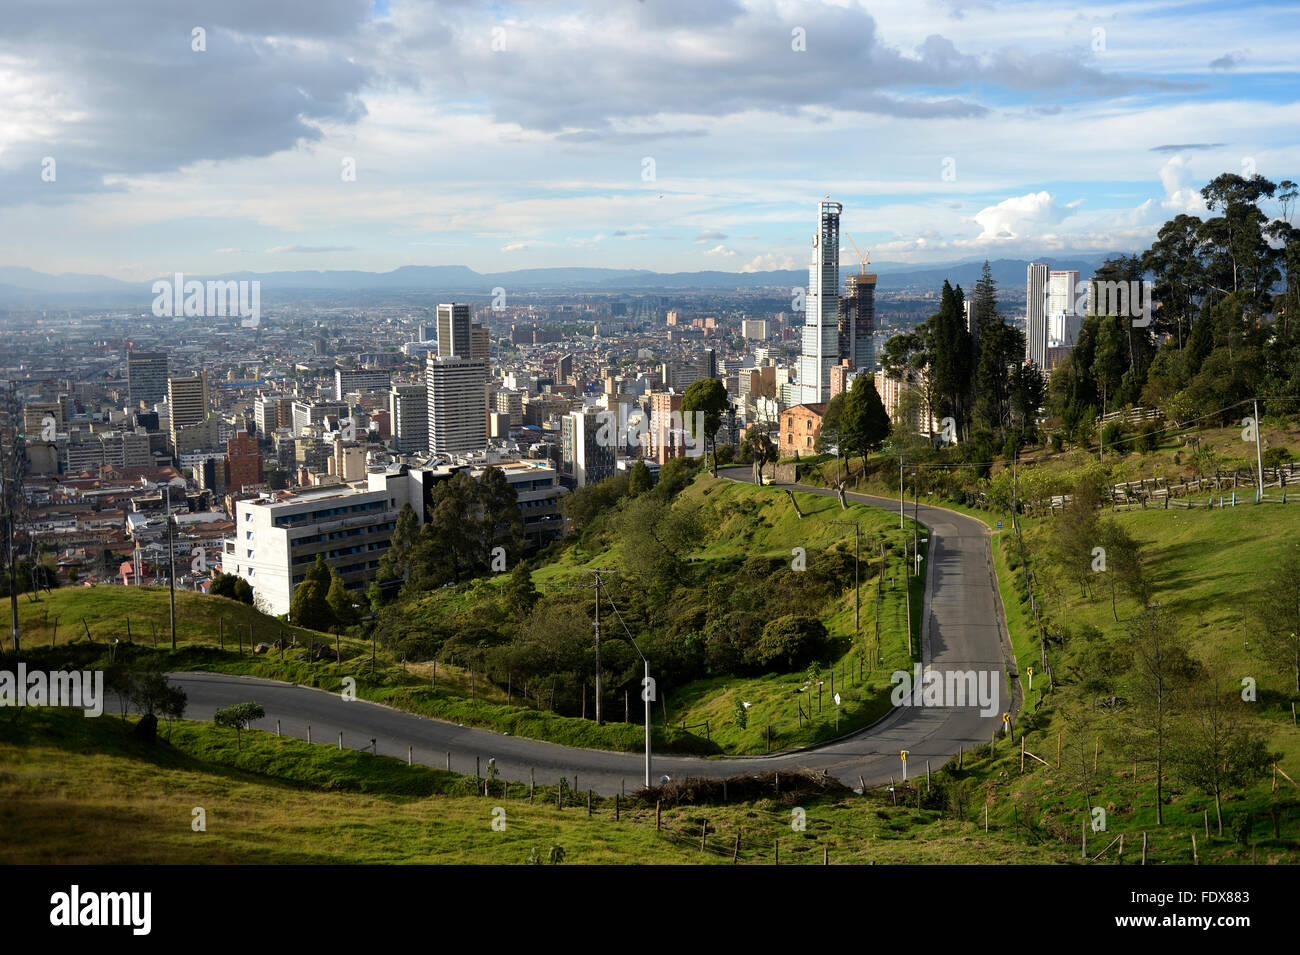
[{"x": 963, "y": 629}]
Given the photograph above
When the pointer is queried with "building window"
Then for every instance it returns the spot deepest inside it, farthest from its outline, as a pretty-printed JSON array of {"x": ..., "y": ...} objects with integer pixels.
[{"x": 808, "y": 442}]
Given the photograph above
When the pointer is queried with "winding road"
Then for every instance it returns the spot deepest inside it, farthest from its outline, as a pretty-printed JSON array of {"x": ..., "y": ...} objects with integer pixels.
[{"x": 963, "y": 629}]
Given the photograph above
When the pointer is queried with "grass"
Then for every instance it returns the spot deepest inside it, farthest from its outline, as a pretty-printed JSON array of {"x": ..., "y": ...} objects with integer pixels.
[{"x": 79, "y": 791}]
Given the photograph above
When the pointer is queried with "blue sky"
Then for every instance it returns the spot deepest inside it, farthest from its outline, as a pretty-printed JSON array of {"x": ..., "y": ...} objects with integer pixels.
[{"x": 666, "y": 134}]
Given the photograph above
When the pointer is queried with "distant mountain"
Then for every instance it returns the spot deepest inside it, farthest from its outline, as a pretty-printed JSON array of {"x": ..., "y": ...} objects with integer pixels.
[{"x": 27, "y": 287}]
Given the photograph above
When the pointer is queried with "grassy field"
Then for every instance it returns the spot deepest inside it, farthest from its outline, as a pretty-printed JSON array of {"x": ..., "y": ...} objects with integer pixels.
[{"x": 79, "y": 791}]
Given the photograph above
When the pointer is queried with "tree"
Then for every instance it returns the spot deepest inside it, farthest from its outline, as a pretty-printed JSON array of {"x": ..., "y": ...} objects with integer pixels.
[
  {"x": 519, "y": 595},
  {"x": 238, "y": 718},
  {"x": 639, "y": 480},
  {"x": 1161, "y": 672},
  {"x": 708, "y": 397},
  {"x": 831, "y": 435},
  {"x": 243, "y": 591},
  {"x": 309, "y": 606},
  {"x": 396, "y": 563},
  {"x": 1213, "y": 748},
  {"x": 788, "y": 643},
  {"x": 152, "y": 696},
  {"x": 1279, "y": 612},
  {"x": 340, "y": 603},
  {"x": 1123, "y": 563},
  {"x": 760, "y": 449},
  {"x": 865, "y": 425}
]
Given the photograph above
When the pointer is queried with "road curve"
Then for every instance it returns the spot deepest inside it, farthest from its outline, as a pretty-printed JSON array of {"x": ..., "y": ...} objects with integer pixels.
[{"x": 963, "y": 630}]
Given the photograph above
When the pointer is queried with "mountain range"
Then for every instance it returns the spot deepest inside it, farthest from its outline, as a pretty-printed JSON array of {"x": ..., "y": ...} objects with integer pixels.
[{"x": 24, "y": 287}]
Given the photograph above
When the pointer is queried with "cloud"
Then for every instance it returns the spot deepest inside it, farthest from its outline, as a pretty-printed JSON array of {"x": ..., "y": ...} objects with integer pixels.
[
  {"x": 1180, "y": 195},
  {"x": 267, "y": 79},
  {"x": 710, "y": 235},
  {"x": 1227, "y": 61},
  {"x": 310, "y": 249},
  {"x": 722, "y": 250},
  {"x": 768, "y": 262},
  {"x": 1014, "y": 218},
  {"x": 1184, "y": 147}
]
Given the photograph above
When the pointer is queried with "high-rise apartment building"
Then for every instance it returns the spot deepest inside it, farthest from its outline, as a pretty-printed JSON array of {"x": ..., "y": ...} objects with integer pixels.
[
  {"x": 821, "y": 334},
  {"x": 146, "y": 377},
  {"x": 408, "y": 406},
  {"x": 457, "y": 404}
]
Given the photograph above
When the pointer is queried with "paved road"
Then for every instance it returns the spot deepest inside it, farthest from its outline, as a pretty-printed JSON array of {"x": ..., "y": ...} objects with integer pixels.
[{"x": 963, "y": 630}]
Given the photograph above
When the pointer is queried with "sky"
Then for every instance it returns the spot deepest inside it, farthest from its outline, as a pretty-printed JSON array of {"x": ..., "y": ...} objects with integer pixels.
[{"x": 144, "y": 137}]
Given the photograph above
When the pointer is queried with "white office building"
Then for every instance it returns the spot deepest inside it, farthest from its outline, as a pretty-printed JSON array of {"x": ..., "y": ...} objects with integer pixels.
[
  {"x": 277, "y": 537},
  {"x": 821, "y": 331}
]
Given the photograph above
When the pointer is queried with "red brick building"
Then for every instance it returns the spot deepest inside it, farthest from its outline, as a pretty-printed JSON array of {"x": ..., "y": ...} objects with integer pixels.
[
  {"x": 243, "y": 461},
  {"x": 800, "y": 427}
]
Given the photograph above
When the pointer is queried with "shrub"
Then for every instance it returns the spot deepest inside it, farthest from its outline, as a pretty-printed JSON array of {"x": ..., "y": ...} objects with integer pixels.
[{"x": 789, "y": 642}]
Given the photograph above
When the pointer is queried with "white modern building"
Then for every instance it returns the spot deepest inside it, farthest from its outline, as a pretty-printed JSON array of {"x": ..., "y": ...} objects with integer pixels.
[
  {"x": 821, "y": 331},
  {"x": 277, "y": 537},
  {"x": 348, "y": 380}
]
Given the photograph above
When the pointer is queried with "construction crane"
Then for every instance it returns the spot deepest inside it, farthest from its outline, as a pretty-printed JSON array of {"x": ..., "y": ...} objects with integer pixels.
[{"x": 864, "y": 258}]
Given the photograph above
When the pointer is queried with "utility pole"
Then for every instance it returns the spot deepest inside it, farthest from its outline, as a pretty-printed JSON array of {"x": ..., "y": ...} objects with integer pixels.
[
  {"x": 11, "y": 491},
  {"x": 647, "y": 694},
  {"x": 598, "y": 686},
  {"x": 1259, "y": 455},
  {"x": 171, "y": 563},
  {"x": 916, "y": 518},
  {"x": 857, "y": 553}
]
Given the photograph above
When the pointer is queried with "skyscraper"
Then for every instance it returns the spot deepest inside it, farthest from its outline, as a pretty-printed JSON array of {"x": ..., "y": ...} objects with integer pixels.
[
  {"x": 409, "y": 407},
  {"x": 457, "y": 404},
  {"x": 586, "y": 456},
  {"x": 146, "y": 377},
  {"x": 1062, "y": 323},
  {"x": 191, "y": 428},
  {"x": 858, "y": 320},
  {"x": 453, "y": 331},
  {"x": 1036, "y": 279},
  {"x": 821, "y": 345}
]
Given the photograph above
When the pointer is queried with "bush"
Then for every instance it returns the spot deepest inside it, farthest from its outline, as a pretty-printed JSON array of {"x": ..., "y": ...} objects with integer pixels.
[{"x": 789, "y": 643}]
